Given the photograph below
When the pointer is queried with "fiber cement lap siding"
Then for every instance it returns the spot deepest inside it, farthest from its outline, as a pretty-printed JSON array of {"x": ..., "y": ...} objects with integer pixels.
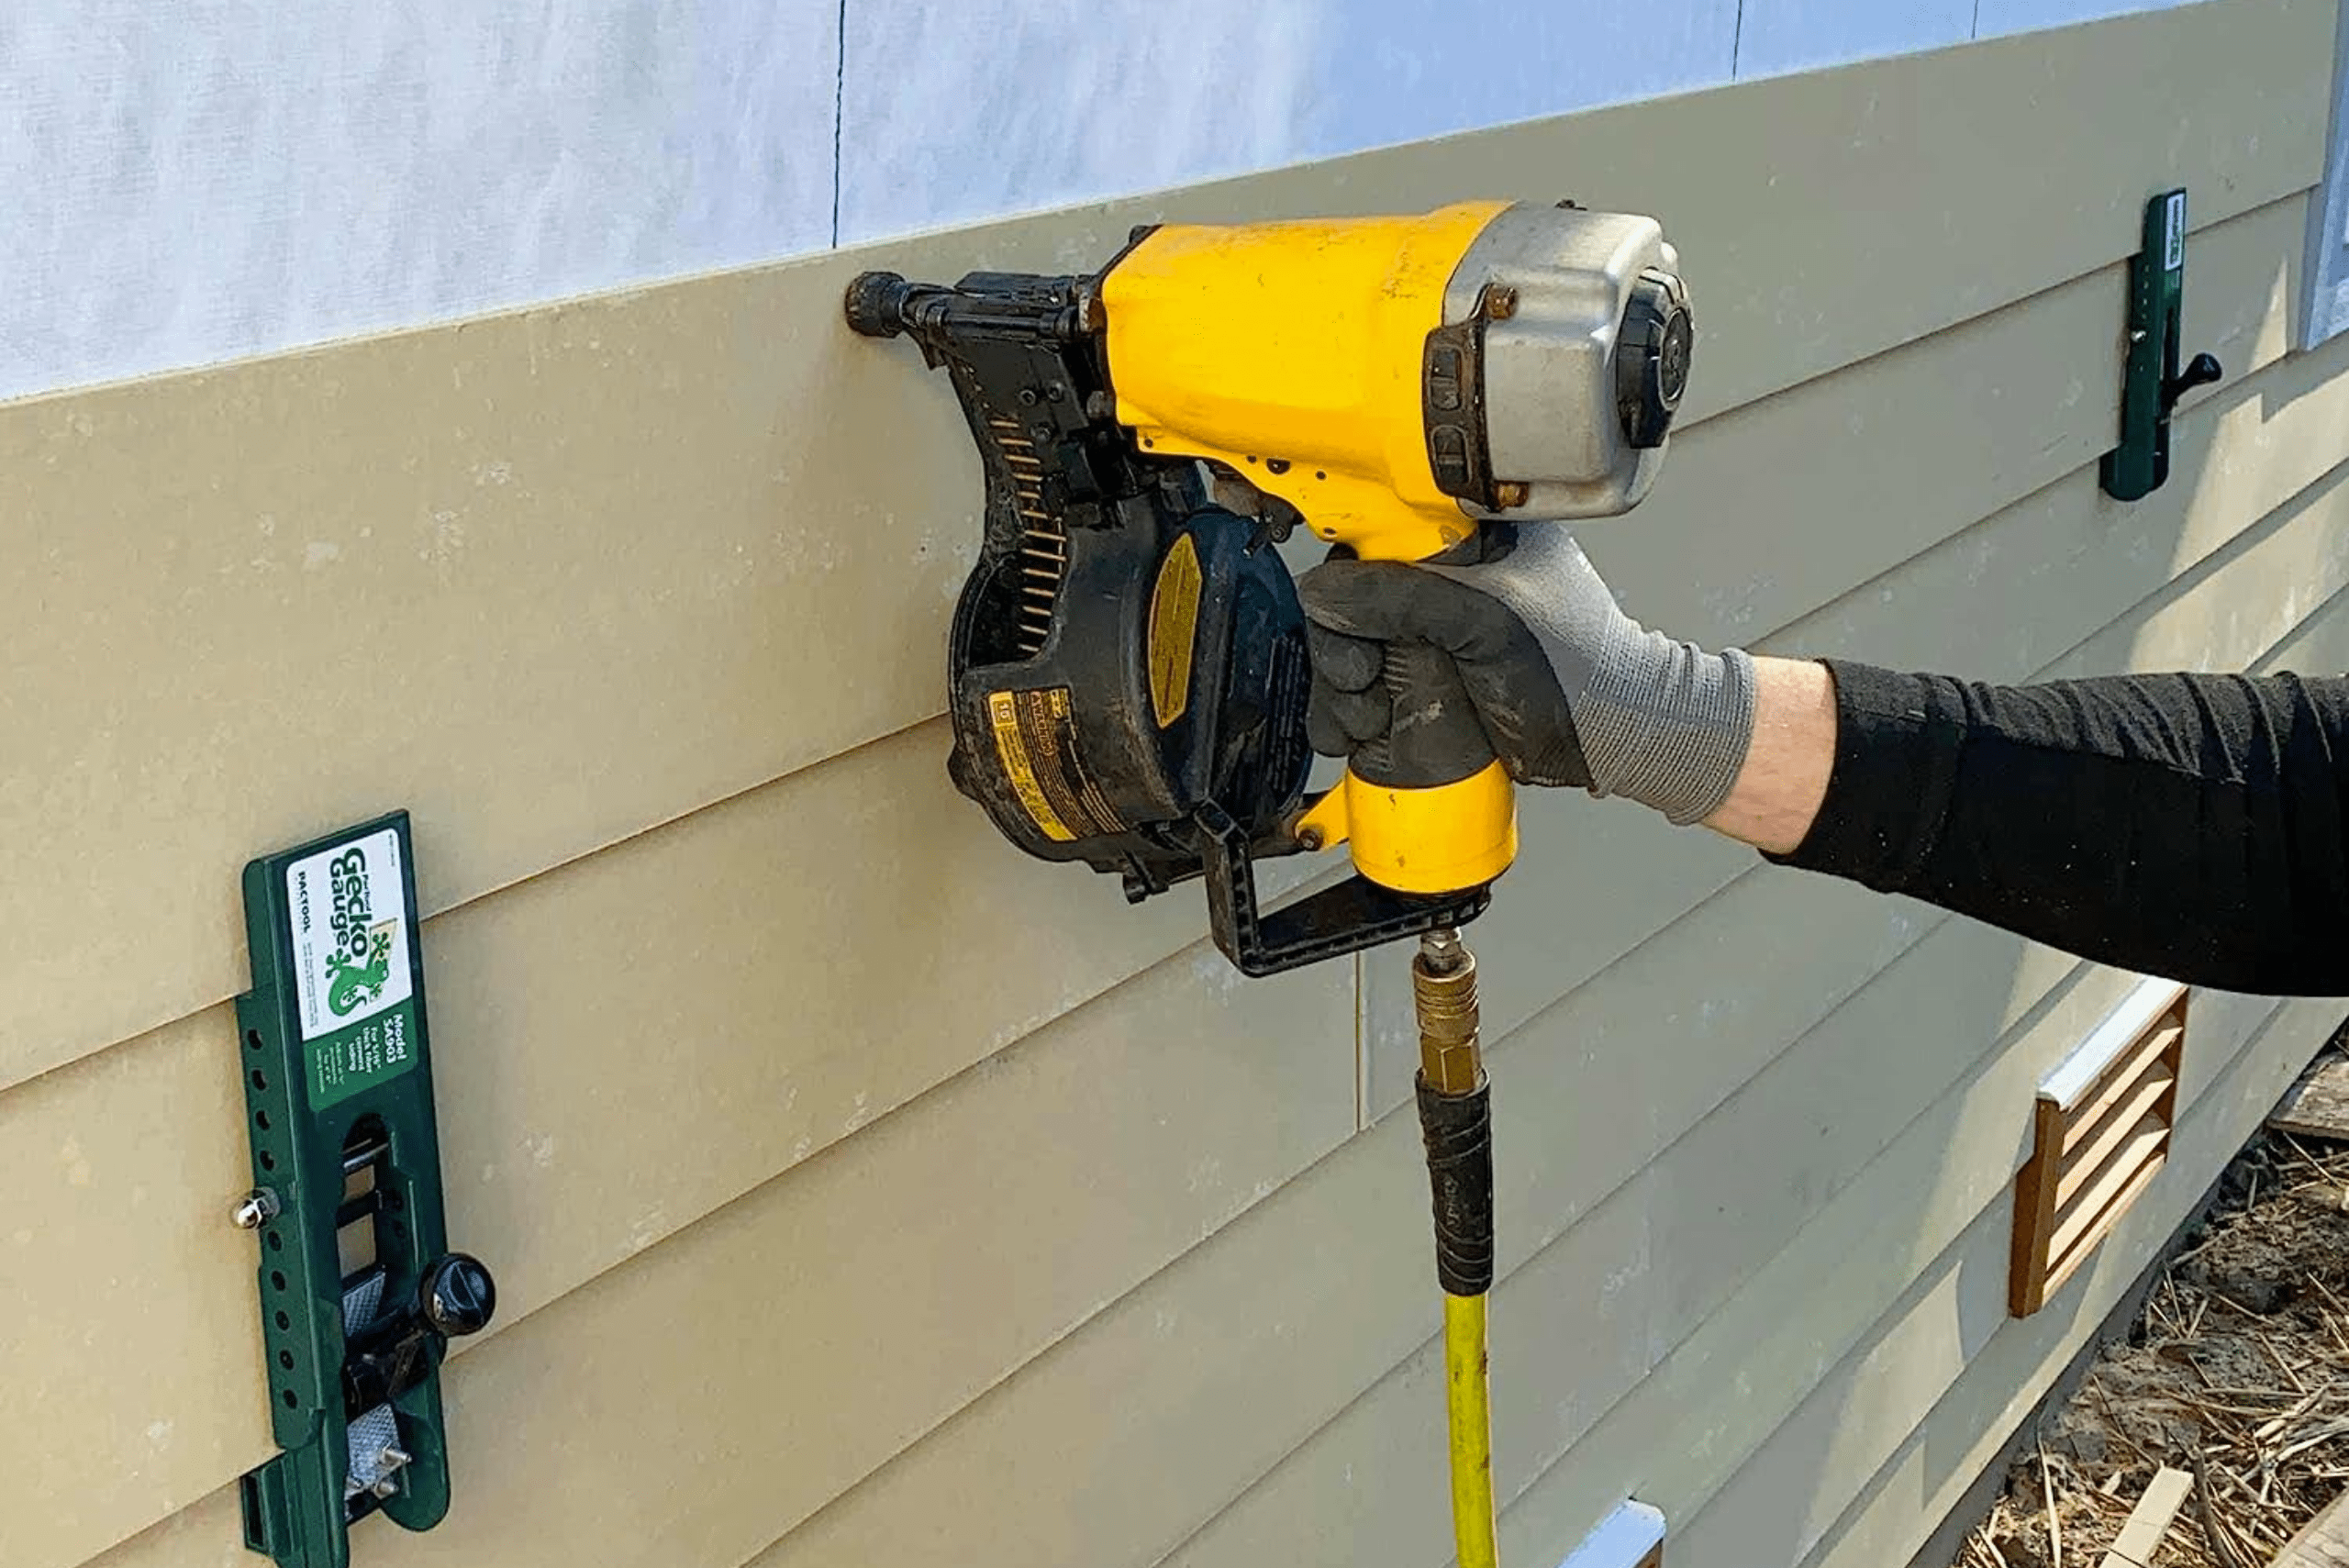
[{"x": 865, "y": 1192}]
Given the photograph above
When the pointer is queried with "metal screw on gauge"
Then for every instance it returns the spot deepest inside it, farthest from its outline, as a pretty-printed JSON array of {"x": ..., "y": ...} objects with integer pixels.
[{"x": 255, "y": 1209}]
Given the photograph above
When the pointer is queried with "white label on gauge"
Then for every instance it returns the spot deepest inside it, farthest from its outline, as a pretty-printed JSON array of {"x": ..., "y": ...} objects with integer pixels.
[{"x": 349, "y": 908}]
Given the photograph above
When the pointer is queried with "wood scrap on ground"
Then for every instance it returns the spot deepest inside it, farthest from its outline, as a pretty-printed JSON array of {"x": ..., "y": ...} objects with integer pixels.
[
  {"x": 2323, "y": 1543},
  {"x": 2318, "y": 1105},
  {"x": 2224, "y": 1414},
  {"x": 2141, "y": 1532}
]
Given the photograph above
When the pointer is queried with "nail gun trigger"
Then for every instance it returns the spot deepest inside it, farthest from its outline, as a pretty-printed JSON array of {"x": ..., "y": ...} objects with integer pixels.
[{"x": 1274, "y": 518}]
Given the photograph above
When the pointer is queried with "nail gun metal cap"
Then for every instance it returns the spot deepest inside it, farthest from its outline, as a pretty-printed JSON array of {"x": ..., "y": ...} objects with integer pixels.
[
  {"x": 1651, "y": 358},
  {"x": 1582, "y": 373}
]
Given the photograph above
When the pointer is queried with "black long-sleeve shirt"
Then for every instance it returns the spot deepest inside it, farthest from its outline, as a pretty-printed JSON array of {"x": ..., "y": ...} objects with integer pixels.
[{"x": 2195, "y": 826}]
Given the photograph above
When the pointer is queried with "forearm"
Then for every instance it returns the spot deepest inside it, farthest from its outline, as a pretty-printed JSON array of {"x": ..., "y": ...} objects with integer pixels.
[
  {"x": 1783, "y": 782},
  {"x": 2190, "y": 826}
]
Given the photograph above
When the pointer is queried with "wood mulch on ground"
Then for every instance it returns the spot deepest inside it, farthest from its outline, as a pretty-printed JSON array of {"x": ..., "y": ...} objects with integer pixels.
[{"x": 2237, "y": 1371}]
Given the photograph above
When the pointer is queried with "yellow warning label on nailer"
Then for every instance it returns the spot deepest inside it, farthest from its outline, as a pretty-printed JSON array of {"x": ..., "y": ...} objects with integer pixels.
[
  {"x": 1003, "y": 711},
  {"x": 1174, "y": 623}
]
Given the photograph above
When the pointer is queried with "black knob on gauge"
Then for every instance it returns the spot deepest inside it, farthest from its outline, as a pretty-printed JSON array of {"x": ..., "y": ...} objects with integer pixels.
[
  {"x": 1651, "y": 357},
  {"x": 2201, "y": 370},
  {"x": 458, "y": 1296}
]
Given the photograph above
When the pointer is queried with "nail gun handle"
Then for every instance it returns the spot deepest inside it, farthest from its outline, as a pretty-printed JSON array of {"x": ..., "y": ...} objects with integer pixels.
[
  {"x": 1434, "y": 737},
  {"x": 1427, "y": 809},
  {"x": 1430, "y": 817}
]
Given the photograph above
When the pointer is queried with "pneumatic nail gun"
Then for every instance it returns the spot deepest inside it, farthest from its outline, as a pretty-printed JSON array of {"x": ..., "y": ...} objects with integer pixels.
[{"x": 1128, "y": 673}]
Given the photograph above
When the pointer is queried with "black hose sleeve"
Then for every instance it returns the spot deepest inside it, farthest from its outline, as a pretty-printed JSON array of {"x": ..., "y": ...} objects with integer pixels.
[{"x": 1458, "y": 1132}]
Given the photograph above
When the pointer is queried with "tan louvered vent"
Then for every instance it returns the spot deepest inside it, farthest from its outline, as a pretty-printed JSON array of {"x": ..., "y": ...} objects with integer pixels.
[{"x": 2101, "y": 1132}]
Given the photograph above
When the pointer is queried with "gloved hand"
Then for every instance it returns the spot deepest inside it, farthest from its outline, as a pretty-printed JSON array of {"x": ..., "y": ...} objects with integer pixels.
[{"x": 1568, "y": 689}]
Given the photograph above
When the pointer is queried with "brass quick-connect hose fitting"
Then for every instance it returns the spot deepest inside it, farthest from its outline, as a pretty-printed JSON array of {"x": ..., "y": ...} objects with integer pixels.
[{"x": 1443, "y": 989}]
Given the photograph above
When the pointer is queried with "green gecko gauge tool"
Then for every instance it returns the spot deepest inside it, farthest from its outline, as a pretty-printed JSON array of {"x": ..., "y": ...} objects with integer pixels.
[{"x": 359, "y": 1294}]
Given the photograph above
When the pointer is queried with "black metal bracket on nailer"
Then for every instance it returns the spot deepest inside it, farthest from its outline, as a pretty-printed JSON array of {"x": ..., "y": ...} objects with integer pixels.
[
  {"x": 2150, "y": 381},
  {"x": 1348, "y": 917},
  {"x": 359, "y": 1291}
]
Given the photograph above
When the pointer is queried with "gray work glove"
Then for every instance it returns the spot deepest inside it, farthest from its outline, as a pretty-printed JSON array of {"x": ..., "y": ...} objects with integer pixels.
[{"x": 1568, "y": 688}]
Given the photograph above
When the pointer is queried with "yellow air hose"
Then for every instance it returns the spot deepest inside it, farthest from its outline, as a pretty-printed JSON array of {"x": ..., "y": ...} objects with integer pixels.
[
  {"x": 1468, "y": 1395},
  {"x": 1455, "y": 1122}
]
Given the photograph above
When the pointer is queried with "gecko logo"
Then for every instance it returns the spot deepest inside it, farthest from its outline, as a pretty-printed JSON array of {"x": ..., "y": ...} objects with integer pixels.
[
  {"x": 356, "y": 984},
  {"x": 362, "y": 960}
]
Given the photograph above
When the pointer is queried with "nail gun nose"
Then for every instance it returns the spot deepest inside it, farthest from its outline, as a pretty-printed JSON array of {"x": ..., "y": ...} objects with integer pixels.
[{"x": 877, "y": 303}]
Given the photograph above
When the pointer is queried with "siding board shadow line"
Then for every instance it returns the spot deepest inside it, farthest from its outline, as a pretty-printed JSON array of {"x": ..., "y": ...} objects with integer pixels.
[
  {"x": 1680, "y": 1442},
  {"x": 1415, "y": 1259},
  {"x": 2067, "y": 561},
  {"x": 738, "y": 597},
  {"x": 1371, "y": 1464},
  {"x": 1616, "y": 1229},
  {"x": 2225, "y": 1023},
  {"x": 2236, "y": 250},
  {"x": 1072, "y": 1128},
  {"x": 1361, "y": 1486},
  {"x": 481, "y": 946},
  {"x": 489, "y": 965},
  {"x": 1791, "y": 1490},
  {"x": 1973, "y": 1401},
  {"x": 1924, "y": 441},
  {"x": 1894, "y": 1509}
]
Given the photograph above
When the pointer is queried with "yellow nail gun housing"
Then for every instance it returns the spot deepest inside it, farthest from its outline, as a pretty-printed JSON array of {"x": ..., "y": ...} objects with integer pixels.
[
  {"x": 1128, "y": 675},
  {"x": 1395, "y": 379}
]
